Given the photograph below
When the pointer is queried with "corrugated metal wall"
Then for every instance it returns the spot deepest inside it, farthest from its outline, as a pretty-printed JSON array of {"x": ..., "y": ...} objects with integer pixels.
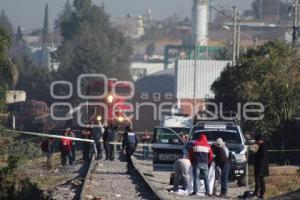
[{"x": 207, "y": 71}]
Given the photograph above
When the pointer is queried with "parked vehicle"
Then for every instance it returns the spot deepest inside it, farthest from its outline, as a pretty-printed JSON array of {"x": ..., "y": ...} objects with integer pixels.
[{"x": 170, "y": 138}]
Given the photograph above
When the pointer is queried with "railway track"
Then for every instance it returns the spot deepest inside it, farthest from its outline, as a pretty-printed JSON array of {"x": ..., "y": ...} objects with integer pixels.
[{"x": 108, "y": 180}]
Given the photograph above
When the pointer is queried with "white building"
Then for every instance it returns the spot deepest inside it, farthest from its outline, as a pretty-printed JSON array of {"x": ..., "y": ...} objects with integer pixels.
[
  {"x": 142, "y": 69},
  {"x": 207, "y": 71}
]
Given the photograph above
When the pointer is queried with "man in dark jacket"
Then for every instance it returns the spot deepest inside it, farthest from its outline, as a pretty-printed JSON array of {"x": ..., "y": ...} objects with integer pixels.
[
  {"x": 86, "y": 146},
  {"x": 65, "y": 147},
  {"x": 113, "y": 138},
  {"x": 261, "y": 168},
  {"x": 129, "y": 145},
  {"x": 221, "y": 153},
  {"x": 108, "y": 137},
  {"x": 70, "y": 133}
]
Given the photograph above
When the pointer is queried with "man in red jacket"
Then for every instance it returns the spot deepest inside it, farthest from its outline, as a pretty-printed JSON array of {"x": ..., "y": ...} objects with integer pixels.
[
  {"x": 65, "y": 147},
  {"x": 200, "y": 155}
]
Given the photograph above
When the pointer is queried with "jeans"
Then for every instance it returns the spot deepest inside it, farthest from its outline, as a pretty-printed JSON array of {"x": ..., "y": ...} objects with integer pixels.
[
  {"x": 200, "y": 169},
  {"x": 260, "y": 186},
  {"x": 145, "y": 152},
  {"x": 97, "y": 149},
  {"x": 224, "y": 178},
  {"x": 73, "y": 153}
]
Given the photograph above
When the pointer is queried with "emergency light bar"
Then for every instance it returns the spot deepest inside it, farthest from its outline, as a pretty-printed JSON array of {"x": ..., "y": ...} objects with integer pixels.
[{"x": 214, "y": 126}]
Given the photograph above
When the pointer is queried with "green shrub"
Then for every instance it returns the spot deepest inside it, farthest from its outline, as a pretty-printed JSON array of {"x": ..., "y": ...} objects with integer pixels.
[{"x": 13, "y": 186}]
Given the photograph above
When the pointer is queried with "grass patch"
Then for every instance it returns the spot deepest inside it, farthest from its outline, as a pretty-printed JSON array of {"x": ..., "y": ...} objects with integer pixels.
[
  {"x": 282, "y": 180},
  {"x": 49, "y": 181},
  {"x": 282, "y": 184}
]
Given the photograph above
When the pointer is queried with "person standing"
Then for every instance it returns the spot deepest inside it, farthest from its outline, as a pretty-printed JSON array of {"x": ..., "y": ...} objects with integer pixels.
[
  {"x": 200, "y": 155},
  {"x": 47, "y": 147},
  {"x": 261, "y": 167},
  {"x": 70, "y": 133},
  {"x": 97, "y": 133},
  {"x": 106, "y": 140},
  {"x": 65, "y": 149},
  {"x": 112, "y": 138},
  {"x": 86, "y": 149},
  {"x": 129, "y": 145},
  {"x": 146, "y": 140},
  {"x": 221, "y": 153}
]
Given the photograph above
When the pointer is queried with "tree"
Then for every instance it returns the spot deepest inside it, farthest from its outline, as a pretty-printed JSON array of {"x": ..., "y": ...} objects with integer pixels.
[
  {"x": 285, "y": 10},
  {"x": 19, "y": 36},
  {"x": 35, "y": 80},
  {"x": 8, "y": 72},
  {"x": 64, "y": 16},
  {"x": 268, "y": 75},
  {"x": 14, "y": 185},
  {"x": 5, "y": 23},
  {"x": 92, "y": 45},
  {"x": 45, "y": 33},
  {"x": 256, "y": 8}
]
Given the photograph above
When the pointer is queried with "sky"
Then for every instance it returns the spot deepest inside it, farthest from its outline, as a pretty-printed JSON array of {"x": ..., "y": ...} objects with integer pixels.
[{"x": 29, "y": 13}]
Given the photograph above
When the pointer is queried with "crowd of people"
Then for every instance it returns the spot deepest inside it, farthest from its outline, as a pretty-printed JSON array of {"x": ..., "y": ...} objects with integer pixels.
[
  {"x": 204, "y": 161},
  {"x": 92, "y": 145},
  {"x": 199, "y": 161}
]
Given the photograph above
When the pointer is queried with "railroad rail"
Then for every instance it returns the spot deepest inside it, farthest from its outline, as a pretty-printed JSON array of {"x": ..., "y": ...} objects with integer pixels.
[
  {"x": 109, "y": 180},
  {"x": 87, "y": 179}
]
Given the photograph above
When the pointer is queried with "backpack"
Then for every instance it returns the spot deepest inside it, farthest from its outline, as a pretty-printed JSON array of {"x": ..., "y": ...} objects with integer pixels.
[{"x": 44, "y": 146}]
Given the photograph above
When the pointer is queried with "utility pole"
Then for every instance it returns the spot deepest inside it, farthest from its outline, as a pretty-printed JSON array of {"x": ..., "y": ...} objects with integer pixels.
[
  {"x": 195, "y": 73},
  {"x": 238, "y": 37},
  {"x": 234, "y": 36},
  {"x": 295, "y": 22}
]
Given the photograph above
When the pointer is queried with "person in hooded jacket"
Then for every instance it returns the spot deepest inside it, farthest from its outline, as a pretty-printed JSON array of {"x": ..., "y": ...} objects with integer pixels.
[
  {"x": 261, "y": 166},
  {"x": 200, "y": 155},
  {"x": 65, "y": 147},
  {"x": 222, "y": 160}
]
